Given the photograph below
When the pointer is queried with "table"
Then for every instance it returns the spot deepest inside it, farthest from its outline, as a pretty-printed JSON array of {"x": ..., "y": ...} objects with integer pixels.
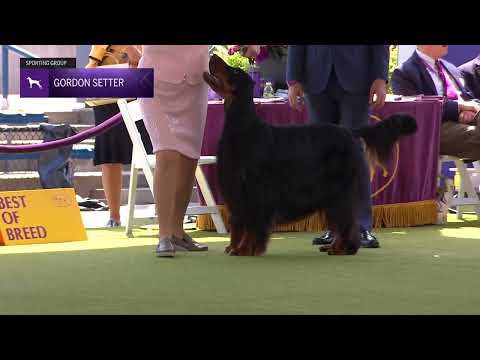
[{"x": 406, "y": 196}]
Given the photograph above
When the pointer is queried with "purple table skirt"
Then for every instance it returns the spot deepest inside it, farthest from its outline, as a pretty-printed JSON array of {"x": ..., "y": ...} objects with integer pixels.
[{"x": 415, "y": 176}]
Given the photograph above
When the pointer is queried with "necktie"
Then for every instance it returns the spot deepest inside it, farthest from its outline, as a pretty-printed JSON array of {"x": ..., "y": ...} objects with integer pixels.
[{"x": 448, "y": 88}]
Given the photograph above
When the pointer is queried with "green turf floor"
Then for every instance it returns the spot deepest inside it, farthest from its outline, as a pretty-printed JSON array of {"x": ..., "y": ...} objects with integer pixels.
[{"x": 423, "y": 270}]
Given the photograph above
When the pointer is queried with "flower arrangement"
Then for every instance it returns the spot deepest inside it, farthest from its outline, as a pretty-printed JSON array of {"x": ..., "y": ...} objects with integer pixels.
[
  {"x": 233, "y": 56},
  {"x": 236, "y": 60},
  {"x": 276, "y": 52}
]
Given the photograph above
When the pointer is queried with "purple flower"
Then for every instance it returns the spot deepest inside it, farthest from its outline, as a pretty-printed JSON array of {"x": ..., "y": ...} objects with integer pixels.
[{"x": 263, "y": 55}]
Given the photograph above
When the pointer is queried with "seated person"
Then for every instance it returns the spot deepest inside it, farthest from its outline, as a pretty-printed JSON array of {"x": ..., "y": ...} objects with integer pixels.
[
  {"x": 471, "y": 74},
  {"x": 425, "y": 73}
]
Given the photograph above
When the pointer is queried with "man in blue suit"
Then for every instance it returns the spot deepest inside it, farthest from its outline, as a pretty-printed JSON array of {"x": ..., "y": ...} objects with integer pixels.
[
  {"x": 338, "y": 83},
  {"x": 426, "y": 73}
]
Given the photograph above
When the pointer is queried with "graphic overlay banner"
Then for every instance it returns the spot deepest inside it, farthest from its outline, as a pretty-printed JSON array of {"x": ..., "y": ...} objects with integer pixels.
[
  {"x": 40, "y": 217},
  {"x": 47, "y": 80},
  {"x": 47, "y": 63}
]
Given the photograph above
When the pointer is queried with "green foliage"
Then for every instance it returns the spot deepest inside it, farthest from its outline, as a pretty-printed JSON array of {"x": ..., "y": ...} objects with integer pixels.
[
  {"x": 220, "y": 50},
  {"x": 392, "y": 66},
  {"x": 236, "y": 60}
]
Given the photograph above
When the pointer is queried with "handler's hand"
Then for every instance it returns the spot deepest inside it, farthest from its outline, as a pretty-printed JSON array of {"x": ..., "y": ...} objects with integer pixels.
[
  {"x": 378, "y": 88},
  {"x": 468, "y": 106},
  {"x": 466, "y": 117},
  {"x": 134, "y": 55},
  {"x": 294, "y": 92}
]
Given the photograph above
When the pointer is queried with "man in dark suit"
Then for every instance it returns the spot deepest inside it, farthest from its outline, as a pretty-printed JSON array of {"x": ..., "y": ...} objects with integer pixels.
[
  {"x": 471, "y": 74},
  {"x": 338, "y": 83},
  {"x": 426, "y": 73}
]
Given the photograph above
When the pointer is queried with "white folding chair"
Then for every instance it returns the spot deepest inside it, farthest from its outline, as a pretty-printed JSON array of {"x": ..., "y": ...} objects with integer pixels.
[
  {"x": 142, "y": 161},
  {"x": 465, "y": 187}
]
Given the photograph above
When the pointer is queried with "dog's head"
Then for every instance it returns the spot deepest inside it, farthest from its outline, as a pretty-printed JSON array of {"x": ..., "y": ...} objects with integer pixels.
[{"x": 227, "y": 81}]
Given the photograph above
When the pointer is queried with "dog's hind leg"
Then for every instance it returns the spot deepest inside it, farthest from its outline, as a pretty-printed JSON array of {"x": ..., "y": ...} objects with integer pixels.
[{"x": 341, "y": 218}]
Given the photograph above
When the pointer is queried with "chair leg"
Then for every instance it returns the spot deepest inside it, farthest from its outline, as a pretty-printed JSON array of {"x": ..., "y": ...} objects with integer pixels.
[
  {"x": 449, "y": 192},
  {"x": 461, "y": 188},
  {"x": 132, "y": 195},
  {"x": 466, "y": 186},
  {"x": 476, "y": 166},
  {"x": 210, "y": 201},
  {"x": 439, "y": 172}
]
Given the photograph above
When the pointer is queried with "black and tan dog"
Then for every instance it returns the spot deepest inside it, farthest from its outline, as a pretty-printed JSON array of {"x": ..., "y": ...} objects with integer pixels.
[{"x": 271, "y": 175}]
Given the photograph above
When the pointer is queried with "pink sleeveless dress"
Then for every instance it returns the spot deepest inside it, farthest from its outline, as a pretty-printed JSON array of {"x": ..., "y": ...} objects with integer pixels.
[{"x": 175, "y": 117}]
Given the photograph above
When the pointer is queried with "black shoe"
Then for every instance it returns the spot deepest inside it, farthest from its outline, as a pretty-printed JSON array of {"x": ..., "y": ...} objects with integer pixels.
[
  {"x": 325, "y": 239},
  {"x": 368, "y": 240}
]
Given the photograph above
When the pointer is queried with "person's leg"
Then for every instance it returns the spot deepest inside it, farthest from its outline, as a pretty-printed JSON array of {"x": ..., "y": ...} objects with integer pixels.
[
  {"x": 323, "y": 109},
  {"x": 164, "y": 186},
  {"x": 185, "y": 171},
  {"x": 173, "y": 184},
  {"x": 353, "y": 115},
  {"x": 112, "y": 186},
  {"x": 110, "y": 153},
  {"x": 185, "y": 179}
]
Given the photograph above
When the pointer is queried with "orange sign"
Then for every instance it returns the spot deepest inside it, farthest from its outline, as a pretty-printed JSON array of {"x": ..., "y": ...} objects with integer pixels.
[{"x": 40, "y": 217}]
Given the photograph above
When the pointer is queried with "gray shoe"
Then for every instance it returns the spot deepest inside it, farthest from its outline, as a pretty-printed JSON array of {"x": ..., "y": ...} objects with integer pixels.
[
  {"x": 112, "y": 223},
  {"x": 188, "y": 244},
  {"x": 165, "y": 248}
]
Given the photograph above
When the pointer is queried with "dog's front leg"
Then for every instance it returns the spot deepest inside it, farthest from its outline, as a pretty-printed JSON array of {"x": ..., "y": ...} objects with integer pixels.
[
  {"x": 340, "y": 246},
  {"x": 337, "y": 247},
  {"x": 247, "y": 245},
  {"x": 236, "y": 235}
]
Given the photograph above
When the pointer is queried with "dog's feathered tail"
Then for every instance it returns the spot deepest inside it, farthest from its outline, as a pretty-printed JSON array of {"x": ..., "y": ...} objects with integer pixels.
[{"x": 381, "y": 137}]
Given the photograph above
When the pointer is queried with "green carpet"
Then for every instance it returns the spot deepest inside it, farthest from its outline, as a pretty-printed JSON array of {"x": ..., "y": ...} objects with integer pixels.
[{"x": 423, "y": 270}]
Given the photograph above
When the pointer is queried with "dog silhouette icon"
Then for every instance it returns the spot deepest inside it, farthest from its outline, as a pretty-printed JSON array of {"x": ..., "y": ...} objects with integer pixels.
[{"x": 32, "y": 82}]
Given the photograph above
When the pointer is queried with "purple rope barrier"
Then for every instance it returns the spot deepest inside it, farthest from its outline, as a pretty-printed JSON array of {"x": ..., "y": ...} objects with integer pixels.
[{"x": 96, "y": 130}]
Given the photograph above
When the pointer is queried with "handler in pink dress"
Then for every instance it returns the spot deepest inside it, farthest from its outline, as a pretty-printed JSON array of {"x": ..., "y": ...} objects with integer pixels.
[{"x": 175, "y": 120}]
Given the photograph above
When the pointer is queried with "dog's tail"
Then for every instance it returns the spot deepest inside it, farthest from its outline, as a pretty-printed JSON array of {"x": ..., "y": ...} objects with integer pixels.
[{"x": 381, "y": 137}]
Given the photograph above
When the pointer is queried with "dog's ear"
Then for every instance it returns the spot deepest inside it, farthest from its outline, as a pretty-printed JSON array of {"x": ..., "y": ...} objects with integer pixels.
[{"x": 219, "y": 86}]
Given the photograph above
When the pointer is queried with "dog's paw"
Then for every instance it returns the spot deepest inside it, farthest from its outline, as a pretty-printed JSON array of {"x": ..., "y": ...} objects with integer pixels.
[
  {"x": 341, "y": 252},
  {"x": 231, "y": 251},
  {"x": 325, "y": 248}
]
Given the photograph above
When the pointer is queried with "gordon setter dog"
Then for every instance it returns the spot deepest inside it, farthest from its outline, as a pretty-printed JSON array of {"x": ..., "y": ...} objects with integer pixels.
[{"x": 271, "y": 175}]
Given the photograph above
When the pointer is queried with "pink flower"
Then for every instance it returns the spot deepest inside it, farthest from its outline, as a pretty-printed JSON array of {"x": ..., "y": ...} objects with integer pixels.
[{"x": 234, "y": 49}]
